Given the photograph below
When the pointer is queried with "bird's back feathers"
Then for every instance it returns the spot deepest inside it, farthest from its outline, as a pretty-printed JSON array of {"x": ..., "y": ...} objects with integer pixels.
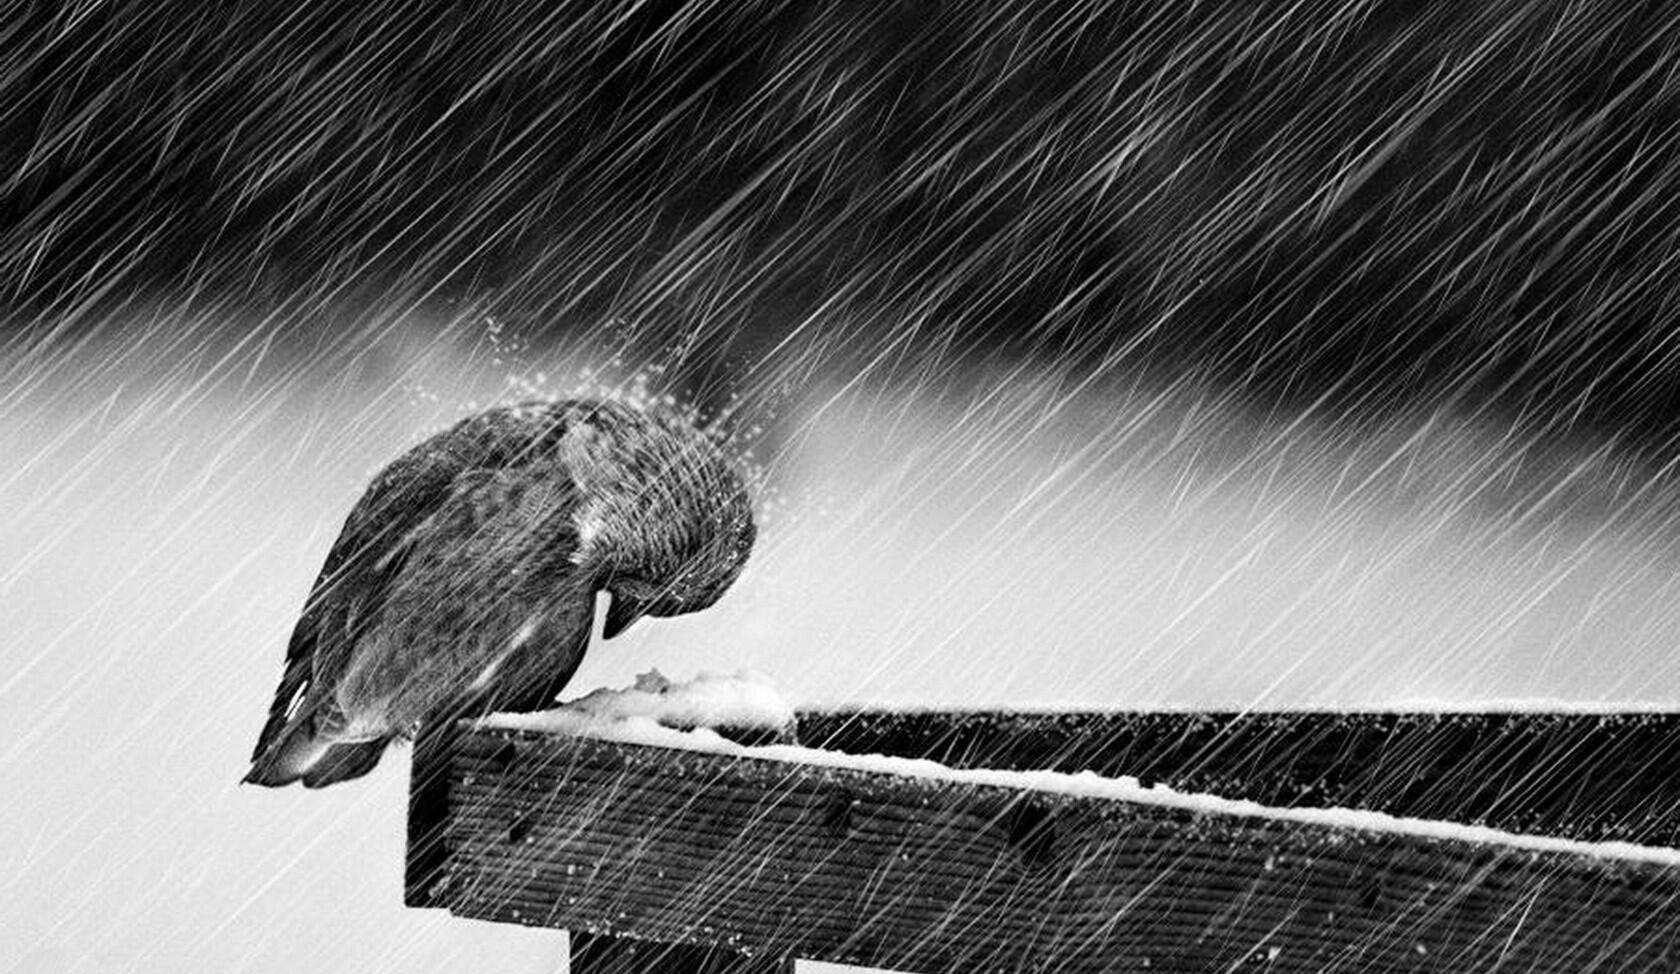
[{"x": 459, "y": 580}]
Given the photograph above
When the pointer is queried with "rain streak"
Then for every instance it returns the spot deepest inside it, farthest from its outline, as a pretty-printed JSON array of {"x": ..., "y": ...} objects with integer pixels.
[{"x": 1088, "y": 356}]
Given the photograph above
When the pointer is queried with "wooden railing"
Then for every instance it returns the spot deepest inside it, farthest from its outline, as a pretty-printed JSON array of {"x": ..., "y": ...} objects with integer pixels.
[{"x": 662, "y": 859}]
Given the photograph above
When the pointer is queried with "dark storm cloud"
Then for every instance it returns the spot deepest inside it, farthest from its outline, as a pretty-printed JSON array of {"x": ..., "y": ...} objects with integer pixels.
[{"x": 1339, "y": 205}]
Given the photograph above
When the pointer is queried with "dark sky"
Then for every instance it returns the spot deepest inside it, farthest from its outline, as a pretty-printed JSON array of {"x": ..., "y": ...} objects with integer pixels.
[{"x": 1344, "y": 206}]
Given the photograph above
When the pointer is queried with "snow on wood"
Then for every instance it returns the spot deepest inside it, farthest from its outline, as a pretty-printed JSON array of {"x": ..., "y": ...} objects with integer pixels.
[
  {"x": 743, "y": 700},
  {"x": 684, "y": 837},
  {"x": 631, "y": 717},
  {"x": 1593, "y": 777},
  {"x": 651, "y": 711}
]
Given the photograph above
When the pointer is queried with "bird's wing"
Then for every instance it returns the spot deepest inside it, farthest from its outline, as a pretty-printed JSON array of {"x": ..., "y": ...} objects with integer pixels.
[
  {"x": 379, "y": 535},
  {"x": 360, "y": 569}
]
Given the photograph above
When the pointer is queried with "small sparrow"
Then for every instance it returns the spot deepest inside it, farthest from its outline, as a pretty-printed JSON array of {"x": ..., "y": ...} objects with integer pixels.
[{"x": 465, "y": 580}]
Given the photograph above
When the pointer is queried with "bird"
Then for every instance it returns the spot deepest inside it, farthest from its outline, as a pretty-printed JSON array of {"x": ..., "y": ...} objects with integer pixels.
[{"x": 466, "y": 579}]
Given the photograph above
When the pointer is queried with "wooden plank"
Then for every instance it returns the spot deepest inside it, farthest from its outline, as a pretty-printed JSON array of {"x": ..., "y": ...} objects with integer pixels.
[
  {"x": 1587, "y": 776},
  {"x": 428, "y": 812},
  {"x": 786, "y": 860},
  {"x": 598, "y": 954},
  {"x": 429, "y": 801}
]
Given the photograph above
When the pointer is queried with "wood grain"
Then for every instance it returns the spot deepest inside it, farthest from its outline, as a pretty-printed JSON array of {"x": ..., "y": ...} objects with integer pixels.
[
  {"x": 1593, "y": 777},
  {"x": 783, "y": 860}
]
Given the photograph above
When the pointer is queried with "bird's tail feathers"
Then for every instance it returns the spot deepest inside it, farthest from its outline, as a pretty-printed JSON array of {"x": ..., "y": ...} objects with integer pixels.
[
  {"x": 289, "y": 698},
  {"x": 303, "y": 753},
  {"x": 291, "y": 755},
  {"x": 299, "y": 742},
  {"x": 342, "y": 762}
]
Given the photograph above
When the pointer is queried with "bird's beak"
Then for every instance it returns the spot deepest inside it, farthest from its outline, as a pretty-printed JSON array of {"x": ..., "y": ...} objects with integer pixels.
[{"x": 621, "y": 612}]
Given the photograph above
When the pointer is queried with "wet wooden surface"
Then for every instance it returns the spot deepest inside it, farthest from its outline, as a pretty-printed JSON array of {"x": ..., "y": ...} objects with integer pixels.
[
  {"x": 784, "y": 860},
  {"x": 1613, "y": 776}
]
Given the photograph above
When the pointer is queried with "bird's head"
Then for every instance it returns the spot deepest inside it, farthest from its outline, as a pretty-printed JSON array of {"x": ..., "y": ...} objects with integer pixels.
[{"x": 667, "y": 522}]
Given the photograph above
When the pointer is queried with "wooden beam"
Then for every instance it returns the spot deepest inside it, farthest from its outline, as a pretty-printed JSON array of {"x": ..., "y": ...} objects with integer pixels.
[
  {"x": 789, "y": 860},
  {"x": 428, "y": 812},
  {"x": 1594, "y": 777},
  {"x": 429, "y": 801}
]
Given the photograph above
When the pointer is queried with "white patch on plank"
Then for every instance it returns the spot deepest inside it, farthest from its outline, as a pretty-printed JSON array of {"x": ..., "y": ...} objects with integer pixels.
[
  {"x": 641, "y": 715},
  {"x": 745, "y": 699}
]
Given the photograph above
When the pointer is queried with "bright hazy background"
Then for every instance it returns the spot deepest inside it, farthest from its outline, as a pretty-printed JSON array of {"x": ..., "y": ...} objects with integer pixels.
[{"x": 1004, "y": 537}]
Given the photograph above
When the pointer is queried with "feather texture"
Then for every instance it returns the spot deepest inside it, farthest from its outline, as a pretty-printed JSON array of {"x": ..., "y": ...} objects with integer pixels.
[{"x": 464, "y": 580}]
